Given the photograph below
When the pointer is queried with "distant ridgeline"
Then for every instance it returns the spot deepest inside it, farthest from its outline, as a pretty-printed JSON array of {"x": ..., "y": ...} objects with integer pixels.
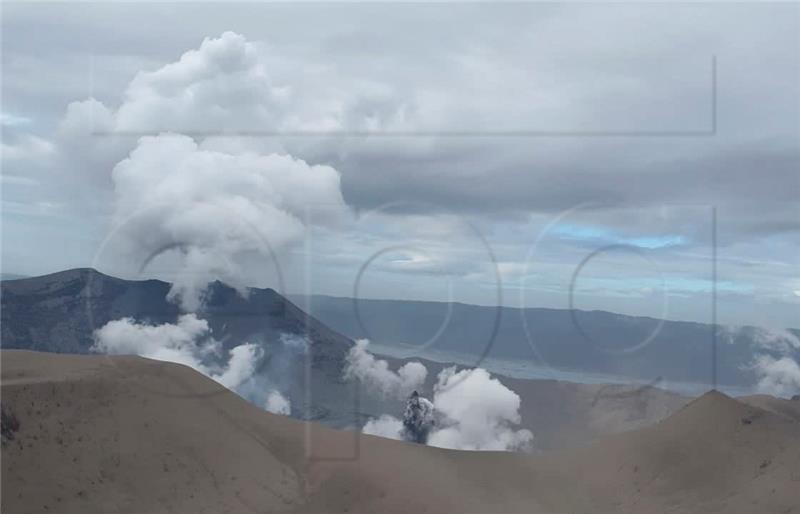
[
  {"x": 61, "y": 311},
  {"x": 591, "y": 341}
]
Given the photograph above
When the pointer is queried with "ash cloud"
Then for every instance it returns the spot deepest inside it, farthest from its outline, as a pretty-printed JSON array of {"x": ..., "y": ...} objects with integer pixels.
[
  {"x": 470, "y": 409},
  {"x": 418, "y": 419}
]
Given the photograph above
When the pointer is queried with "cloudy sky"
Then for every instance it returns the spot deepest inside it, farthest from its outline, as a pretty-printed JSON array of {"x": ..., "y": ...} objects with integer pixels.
[{"x": 593, "y": 155}]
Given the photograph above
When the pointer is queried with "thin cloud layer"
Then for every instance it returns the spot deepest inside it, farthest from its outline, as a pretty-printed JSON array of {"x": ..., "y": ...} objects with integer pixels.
[{"x": 272, "y": 70}]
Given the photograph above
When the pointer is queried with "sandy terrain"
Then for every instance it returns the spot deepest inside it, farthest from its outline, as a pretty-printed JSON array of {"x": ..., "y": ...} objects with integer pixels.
[
  {"x": 126, "y": 434},
  {"x": 567, "y": 415}
]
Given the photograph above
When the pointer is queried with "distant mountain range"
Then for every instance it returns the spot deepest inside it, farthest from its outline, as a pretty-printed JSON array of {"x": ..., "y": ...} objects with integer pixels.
[
  {"x": 11, "y": 276},
  {"x": 589, "y": 341},
  {"x": 59, "y": 312}
]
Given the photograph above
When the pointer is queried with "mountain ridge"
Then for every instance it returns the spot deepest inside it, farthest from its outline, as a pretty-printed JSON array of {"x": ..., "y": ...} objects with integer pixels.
[{"x": 600, "y": 342}]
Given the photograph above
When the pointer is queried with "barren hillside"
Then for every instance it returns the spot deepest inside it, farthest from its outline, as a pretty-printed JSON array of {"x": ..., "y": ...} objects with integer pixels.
[{"x": 126, "y": 434}]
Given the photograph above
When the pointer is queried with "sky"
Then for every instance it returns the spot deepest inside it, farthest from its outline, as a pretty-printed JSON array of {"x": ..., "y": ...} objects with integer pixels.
[{"x": 640, "y": 158}]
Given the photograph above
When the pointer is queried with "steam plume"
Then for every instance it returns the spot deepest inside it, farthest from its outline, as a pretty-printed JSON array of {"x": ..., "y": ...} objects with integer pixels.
[
  {"x": 778, "y": 377},
  {"x": 189, "y": 342},
  {"x": 278, "y": 404},
  {"x": 215, "y": 207},
  {"x": 470, "y": 409},
  {"x": 478, "y": 413},
  {"x": 775, "y": 363},
  {"x": 385, "y": 426},
  {"x": 375, "y": 373},
  {"x": 186, "y": 342}
]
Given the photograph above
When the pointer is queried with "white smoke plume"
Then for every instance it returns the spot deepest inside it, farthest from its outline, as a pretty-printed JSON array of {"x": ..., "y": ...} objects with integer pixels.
[
  {"x": 241, "y": 366},
  {"x": 278, "y": 372},
  {"x": 189, "y": 342},
  {"x": 778, "y": 377},
  {"x": 214, "y": 207},
  {"x": 470, "y": 409},
  {"x": 777, "y": 340},
  {"x": 211, "y": 202},
  {"x": 186, "y": 342},
  {"x": 478, "y": 413},
  {"x": 375, "y": 373},
  {"x": 227, "y": 85},
  {"x": 775, "y": 362},
  {"x": 278, "y": 404},
  {"x": 385, "y": 426}
]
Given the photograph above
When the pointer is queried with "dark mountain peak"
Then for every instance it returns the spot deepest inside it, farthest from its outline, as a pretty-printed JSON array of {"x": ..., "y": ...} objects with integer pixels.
[
  {"x": 59, "y": 312},
  {"x": 63, "y": 282}
]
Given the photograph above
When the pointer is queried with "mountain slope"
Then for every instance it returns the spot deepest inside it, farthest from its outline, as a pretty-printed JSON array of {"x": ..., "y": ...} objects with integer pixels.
[
  {"x": 125, "y": 434},
  {"x": 59, "y": 312},
  {"x": 790, "y": 409}
]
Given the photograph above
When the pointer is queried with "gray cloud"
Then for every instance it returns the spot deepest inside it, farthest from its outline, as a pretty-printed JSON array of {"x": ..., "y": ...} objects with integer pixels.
[{"x": 466, "y": 67}]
